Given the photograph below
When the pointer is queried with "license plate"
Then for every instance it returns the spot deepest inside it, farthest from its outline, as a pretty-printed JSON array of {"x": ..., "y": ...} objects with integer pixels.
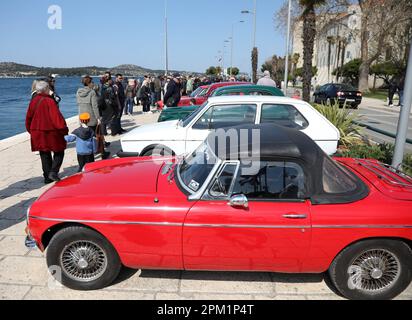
[{"x": 350, "y": 100}]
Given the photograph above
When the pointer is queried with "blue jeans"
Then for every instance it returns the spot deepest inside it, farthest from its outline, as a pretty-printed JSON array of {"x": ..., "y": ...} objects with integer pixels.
[{"x": 129, "y": 106}]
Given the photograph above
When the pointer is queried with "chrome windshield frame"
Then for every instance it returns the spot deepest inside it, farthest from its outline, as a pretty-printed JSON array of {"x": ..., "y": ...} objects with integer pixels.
[{"x": 199, "y": 193}]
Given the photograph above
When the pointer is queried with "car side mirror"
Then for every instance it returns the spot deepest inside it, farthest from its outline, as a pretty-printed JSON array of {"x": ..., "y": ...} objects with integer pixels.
[{"x": 239, "y": 201}]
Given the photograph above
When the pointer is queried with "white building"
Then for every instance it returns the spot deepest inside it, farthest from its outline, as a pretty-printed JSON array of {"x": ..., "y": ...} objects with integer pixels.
[{"x": 337, "y": 42}]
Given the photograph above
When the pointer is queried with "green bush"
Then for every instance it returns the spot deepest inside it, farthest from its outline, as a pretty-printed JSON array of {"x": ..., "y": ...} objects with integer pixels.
[
  {"x": 381, "y": 152},
  {"x": 363, "y": 151},
  {"x": 343, "y": 120}
]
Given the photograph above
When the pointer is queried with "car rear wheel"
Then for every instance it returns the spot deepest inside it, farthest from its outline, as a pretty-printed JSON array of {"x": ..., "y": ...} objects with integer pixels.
[
  {"x": 82, "y": 259},
  {"x": 158, "y": 151},
  {"x": 372, "y": 270}
]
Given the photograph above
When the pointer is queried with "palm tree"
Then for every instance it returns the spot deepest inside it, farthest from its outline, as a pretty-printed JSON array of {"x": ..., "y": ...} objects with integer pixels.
[
  {"x": 308, "y": 37},
  {"x": 255, "y": 63}
]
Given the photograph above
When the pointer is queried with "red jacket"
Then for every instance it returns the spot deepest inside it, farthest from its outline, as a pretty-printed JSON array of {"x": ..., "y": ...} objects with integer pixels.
[{"x": 46, "y": 125}]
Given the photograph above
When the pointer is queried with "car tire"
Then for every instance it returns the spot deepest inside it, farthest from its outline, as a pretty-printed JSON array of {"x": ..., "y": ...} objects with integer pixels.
[
  {"x": 163, "y": 152},
  {"x": 372, "y": 270},
  {"x": 82, "y": 259}
]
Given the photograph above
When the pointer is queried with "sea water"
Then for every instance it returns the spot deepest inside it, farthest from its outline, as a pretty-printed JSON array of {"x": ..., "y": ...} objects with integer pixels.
[{"x": 15, "y": 97}]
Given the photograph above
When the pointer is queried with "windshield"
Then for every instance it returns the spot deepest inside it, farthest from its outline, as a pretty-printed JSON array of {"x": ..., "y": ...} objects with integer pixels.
[
  {"x": 194, "y": 170},
  {"x": 197, "y": 92},
  {"x": 186, "y": 121}
]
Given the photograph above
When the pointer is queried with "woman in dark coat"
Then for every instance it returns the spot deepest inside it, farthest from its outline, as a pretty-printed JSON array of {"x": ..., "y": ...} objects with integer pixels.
[{"x": 47, "y": 128}]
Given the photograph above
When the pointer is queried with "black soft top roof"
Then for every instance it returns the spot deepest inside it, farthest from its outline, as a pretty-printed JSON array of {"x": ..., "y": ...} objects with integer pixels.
[
  {"x": 275, "y": 142},
  {"x": 284, "y": 144}
]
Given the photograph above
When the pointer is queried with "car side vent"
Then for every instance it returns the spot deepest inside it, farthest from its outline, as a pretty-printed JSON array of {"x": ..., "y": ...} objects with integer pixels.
[{"x": 388, "y": 174}]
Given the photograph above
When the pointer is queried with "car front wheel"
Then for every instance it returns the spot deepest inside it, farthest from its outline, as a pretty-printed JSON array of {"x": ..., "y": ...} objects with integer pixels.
[
  {"x": 372, "y": 270},
  {"x": 82, "y": 259}
]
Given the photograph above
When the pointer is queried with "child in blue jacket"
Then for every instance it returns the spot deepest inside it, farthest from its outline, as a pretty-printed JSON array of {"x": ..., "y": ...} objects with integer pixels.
[{"x": 86, "y": 143}]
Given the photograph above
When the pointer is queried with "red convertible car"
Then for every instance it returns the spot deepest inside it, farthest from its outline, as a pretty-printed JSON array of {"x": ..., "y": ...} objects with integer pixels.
[{"x": 286, "y": 208}]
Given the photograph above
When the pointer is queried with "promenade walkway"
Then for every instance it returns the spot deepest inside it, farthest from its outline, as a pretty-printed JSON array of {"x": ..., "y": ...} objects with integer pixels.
[{"x": 24, "y": 275}]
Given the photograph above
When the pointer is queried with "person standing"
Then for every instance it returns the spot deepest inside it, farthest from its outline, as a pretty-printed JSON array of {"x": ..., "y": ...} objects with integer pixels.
[
  {"x": 121, "y": 102},
  {"x": 401, "y": 87},
  {"x": 189, "y": 86},
  {"x": 266, "y": 80},
  {"x": 108, "y": 107},
  {"x": 47, "y": 128},
  {"x": 130, "y": 95},
  {"x": 173, "y": 93},
  {"x": 87, "y": 102},
  {"x": 144, "y": 96},
  {"x": 158, "y": 89},
  {"x": 393, "y": 88},
  {"x": 86, "y": 143}
]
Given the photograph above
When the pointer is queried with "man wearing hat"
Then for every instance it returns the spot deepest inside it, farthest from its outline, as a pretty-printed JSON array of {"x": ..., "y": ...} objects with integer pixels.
[
  {"x": 173, "y": 93},
  {"x": 86, "y": 144}
]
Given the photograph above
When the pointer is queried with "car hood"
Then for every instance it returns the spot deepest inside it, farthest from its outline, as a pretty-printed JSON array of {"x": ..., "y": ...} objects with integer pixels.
[
  {"x": 156, "y": 131},
  {"x": 113, "y": 178}
]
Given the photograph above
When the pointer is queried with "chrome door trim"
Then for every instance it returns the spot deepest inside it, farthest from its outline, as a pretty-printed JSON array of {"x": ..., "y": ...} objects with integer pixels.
[{"x": 164, "y": 224}]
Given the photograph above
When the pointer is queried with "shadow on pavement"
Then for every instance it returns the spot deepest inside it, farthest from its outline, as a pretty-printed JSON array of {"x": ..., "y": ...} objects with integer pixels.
[{"x": 14, "y": 214}]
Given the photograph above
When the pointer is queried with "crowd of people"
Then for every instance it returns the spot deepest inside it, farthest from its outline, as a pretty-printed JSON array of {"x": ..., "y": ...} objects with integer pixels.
[{"x": 101, "y": 108}]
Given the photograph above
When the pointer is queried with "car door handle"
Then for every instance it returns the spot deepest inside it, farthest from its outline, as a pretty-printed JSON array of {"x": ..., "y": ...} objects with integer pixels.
[{"x": 295, "y": 216}]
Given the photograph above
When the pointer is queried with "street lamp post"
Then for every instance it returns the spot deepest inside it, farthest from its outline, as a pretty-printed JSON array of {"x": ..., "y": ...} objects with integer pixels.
[
  {"x": 285, "y": 87},
  {"x": 166, "y": 43},
  {"x": 254, "y": 25},
  {"x": 232, "y": 46},
  {"x": 404, "y": 117}
]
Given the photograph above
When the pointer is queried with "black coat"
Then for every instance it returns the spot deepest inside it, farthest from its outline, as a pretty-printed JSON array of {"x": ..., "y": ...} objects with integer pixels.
[{"x": 172, "y": 93}]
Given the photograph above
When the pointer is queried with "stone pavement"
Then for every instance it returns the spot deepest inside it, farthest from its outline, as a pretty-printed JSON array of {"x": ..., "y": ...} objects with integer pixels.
[{"x": 24, "y": 275}]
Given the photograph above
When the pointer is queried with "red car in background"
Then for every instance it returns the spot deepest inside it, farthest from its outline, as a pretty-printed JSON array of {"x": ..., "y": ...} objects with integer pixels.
[
  {"x": 289, "y": 209},
  {"x": 201, "y": 94},
  {"x": 200, "y": 99}
]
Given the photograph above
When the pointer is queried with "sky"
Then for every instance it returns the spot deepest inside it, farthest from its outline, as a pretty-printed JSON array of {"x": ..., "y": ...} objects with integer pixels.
[{"x": 107, "y": 34}]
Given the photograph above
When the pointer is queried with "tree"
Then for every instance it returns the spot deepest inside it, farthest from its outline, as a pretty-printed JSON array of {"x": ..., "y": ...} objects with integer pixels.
[
  {"x": 350, "y": 71},
  {"x": 377, "y": 37},
  {"x": 299, "y": 71},
  {"x": 276, "y": 67},
  {"x": 386, "y": 71},
  {"x": 235, "y": 71},
  {"x": 308, "y": 38},
  {"x": 255, "y": 55},
  {"x": 211, "y": 71}
]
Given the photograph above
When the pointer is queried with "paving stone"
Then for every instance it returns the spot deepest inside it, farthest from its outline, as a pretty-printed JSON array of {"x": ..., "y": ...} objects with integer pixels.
[
  {"x": 13, "y": 245},
  {"x": 226, "y": 283},
  {"x": 16, "y": 229},
  {"x": 284, "y": 297},
  {"x": 217, "y": 297},
  {"x": 13, "y": 292},
  {"x": 325, "y": 297},
  {"x": 45, "y": 293},
  {"x": 24, "y": 270},
  {"x": 172, "y": 296},
  {"x": 300, "y": 284},
  {"x": 147, "y": 280}
]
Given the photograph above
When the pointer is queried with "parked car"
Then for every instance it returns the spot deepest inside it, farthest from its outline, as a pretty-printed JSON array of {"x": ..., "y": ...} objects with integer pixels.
[
  {"x": 243, "y": 90},
  {"x": 332, "y": 93},
  {"x": 183, "y": 136},
  {"x": 296, "y": 211},
  {"x": 199, "y": 100}
]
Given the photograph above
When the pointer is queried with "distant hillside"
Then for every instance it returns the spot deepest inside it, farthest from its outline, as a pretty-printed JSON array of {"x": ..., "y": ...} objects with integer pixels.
[{"x": 11, "y": 69}]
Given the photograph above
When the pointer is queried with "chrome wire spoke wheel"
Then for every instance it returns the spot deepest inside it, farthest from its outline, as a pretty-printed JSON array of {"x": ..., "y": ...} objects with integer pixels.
[
  {"x": 374, "y": 271},
  {"x": 83, "y": 261}
]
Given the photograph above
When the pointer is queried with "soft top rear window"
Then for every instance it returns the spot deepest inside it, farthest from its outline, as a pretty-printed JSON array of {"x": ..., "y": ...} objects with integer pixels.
[{"x": 338, "y": 185}]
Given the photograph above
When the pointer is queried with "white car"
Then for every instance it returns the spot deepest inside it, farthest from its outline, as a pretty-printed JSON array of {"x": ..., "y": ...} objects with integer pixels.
[{"x": 184, "y": 136}]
